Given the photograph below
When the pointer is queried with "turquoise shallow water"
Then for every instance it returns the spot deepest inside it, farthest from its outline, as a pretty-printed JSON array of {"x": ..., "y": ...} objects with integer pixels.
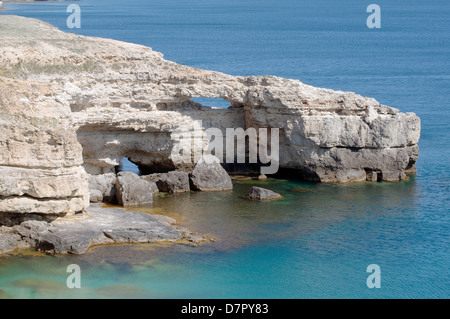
[
  {"x": 318, "y": 240},
  {"x": 315, "y": 243}
]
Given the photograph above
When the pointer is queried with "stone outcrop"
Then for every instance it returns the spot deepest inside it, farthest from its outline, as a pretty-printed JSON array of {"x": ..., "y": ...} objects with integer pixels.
[
  {"x": 41, "y": 160},
  {"x": 99, "y": 226},
  {"x": 102, "y": 187},
  {"x": 72, "y": 105},
  {"x": 171, "y": 182},
  {"x": 209, "y": 175},
  {"x": 132, "y": 190},
  {"x": 259, "y": 193}
]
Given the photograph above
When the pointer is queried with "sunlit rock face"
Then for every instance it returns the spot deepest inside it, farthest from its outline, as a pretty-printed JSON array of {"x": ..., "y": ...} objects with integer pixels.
[{"x": 72, "y": 105}]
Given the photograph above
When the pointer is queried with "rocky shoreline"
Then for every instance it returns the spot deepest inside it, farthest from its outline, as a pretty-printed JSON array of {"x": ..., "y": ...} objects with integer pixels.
[
  {"x": 98, "y": 225},
  {"x": 73, "y": 107}
]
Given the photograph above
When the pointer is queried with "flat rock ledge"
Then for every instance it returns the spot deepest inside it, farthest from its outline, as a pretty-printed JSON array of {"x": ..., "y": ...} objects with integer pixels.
[
  {"x": 98, "y": 226},
  {"x": 259, "y": 193}
]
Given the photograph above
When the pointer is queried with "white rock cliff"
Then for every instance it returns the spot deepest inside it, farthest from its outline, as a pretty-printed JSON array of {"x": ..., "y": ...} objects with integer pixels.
[{"x": 72, "y": 105}]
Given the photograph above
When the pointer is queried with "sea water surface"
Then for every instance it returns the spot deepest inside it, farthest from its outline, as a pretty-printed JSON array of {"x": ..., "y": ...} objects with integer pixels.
[{"x": 319, "y": 239}]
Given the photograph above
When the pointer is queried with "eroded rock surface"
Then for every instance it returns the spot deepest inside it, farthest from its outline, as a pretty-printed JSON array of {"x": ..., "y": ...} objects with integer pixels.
[
  {"x": 209, "y": 175},
  {"x": 171, "y": 182},
  {"x": 259, "y": 193},
  {"x": 98, "y": 226},
  {"x": 132, "y": 190},
  {"x": 102, "y": 187},
  {"x": 72, "y": 105}
]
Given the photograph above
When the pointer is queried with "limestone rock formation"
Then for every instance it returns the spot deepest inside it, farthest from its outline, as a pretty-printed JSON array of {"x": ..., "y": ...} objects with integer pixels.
[
  {"x": 99, "y": 226},
  {"x": 102, "y": 187},
  {"x": 41, "y": 160},
  {"x": 259, "y": 193},
  {"x": 132, "y": 190},
  {"x": 71, "y": 105},
  {"x": 171, "y": 182},
  {"x": 209, "y": 175}
]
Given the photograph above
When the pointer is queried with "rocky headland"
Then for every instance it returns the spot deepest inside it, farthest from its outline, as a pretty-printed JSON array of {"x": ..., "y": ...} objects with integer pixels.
[{"x": 72, "y": 107}]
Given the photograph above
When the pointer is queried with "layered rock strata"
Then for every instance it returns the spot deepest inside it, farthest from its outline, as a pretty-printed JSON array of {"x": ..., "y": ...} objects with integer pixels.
[{"x": 72, "y": 105}]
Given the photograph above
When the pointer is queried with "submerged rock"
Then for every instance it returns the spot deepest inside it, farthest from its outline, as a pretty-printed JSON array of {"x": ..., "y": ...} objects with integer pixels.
[
  {"x": 259, "y": 193},
  {"x": 41, "y": 286},
  {"x": 132, "y": 190},
  {"x": 122, "y": 291},
  {"x": 209, "y": 175}
]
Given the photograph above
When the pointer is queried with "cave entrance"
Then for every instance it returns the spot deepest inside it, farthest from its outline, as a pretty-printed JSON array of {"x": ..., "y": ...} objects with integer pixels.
[
  {"x": 128, "y": 166},
  {"x": 212, "y": 102}
]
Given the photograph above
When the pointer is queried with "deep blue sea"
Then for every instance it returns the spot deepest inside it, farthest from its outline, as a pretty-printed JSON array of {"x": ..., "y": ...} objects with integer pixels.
[{"x": 318, "y": 241}]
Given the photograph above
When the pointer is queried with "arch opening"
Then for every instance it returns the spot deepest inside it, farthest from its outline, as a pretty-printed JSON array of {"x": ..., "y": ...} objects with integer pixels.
[
  {"x": 128, "y": 166},
  {"x": 212, "y": 102}
]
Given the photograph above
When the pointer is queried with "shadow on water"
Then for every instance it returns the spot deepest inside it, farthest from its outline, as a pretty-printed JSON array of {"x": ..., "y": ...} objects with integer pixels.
[{"x": 305, "y": 208}]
